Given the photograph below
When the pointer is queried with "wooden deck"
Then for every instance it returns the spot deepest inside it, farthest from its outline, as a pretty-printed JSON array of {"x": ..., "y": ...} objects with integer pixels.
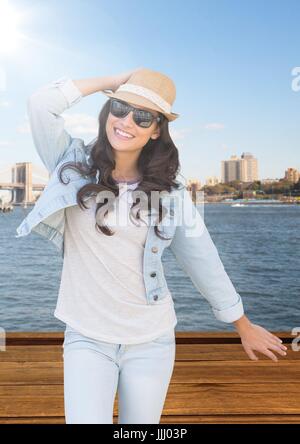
[{"x": 213, "y": 381}]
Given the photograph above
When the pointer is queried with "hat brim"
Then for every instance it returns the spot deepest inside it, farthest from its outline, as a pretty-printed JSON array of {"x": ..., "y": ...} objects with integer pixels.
[{"x": 135, "y": 99}]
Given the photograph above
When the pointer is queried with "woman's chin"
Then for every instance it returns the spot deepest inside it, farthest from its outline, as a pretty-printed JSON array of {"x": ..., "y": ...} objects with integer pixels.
[{"x": 119, "y": 147}]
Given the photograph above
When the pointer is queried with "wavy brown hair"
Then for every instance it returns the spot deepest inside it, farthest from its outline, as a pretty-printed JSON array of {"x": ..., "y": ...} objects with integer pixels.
[{"x": 158, "y": 165}]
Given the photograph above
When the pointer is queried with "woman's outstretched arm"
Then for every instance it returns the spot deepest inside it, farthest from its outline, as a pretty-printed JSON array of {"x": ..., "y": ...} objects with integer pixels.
[{"x": 197, "y": 254}]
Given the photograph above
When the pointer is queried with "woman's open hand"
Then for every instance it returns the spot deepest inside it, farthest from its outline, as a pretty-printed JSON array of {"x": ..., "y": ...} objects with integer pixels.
[{"x": 255, "y": 337}]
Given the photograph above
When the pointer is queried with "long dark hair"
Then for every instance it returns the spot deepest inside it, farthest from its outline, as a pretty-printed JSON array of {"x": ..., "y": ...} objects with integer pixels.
[{"x": 158, "y": 165}]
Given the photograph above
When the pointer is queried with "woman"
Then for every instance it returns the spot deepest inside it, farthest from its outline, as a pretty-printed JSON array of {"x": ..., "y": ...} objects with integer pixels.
[{"x": 98, "y": 210}]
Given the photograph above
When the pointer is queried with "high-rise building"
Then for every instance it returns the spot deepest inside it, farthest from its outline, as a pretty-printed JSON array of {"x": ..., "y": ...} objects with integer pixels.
[
  {"x": 230, "y": 169},
  {"x": 244, "y": 169},
  {"x": 249, "y": 168},
  {"x": 292, "y": 175}
]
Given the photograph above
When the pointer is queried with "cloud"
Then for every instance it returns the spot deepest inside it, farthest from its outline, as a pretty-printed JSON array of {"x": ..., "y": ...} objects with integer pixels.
[
  {"x": 80, "y": 123},
  {"x": 5, "y": 103},
  {"x": 76, "y": 124},
  {"x": 178, "y": 134},
  {"x": 24, "y": 128},
  {"x": 215, "y": 126}
]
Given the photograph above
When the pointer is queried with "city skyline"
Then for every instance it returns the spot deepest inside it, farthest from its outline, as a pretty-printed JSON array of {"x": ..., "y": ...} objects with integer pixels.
[
  {"x": 41, "y": 171},
  {"x": 6, "y": 170},
  {"x": 38, "y": 176}
]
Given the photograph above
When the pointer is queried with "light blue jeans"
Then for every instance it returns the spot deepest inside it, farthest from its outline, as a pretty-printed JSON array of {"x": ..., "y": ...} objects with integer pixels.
[{"x": 95, "y": 370}]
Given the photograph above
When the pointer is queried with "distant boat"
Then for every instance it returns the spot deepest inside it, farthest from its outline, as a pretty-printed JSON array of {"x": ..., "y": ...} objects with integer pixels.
[{"x": 262, "y": 203}]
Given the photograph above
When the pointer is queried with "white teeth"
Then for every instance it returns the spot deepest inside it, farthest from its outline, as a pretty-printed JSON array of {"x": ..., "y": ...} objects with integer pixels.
[{"x": 123, "y": 134}]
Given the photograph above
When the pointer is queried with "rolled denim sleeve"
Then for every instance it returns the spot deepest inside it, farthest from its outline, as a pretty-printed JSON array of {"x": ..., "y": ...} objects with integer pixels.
[
  {"x": 45, "y": 107},
  {"x": 197, "y": 254}
]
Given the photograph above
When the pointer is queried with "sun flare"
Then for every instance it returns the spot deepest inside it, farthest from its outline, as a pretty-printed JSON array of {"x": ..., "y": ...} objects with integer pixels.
[{"x": 9, "y": 20}]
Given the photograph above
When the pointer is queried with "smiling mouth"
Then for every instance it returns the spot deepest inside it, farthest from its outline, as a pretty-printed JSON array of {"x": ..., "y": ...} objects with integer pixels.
[{"x": 118, "y": 134}]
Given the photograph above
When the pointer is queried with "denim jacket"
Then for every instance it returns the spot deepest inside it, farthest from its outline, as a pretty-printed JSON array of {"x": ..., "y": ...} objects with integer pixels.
[{"x": 190, "y": 241}]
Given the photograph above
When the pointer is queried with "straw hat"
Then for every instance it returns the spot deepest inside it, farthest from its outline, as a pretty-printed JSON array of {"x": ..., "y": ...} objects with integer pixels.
[{"x": 148, "y": 88}]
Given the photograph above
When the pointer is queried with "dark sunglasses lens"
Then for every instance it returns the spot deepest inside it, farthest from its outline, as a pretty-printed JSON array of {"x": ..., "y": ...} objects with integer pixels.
[
  {"x": 141, "y": 117},
  {"x": 118, "y": 109}
]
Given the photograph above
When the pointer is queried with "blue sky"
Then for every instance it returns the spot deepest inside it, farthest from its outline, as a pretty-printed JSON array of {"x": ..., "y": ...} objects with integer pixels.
[{"x": 231, "y": 62}]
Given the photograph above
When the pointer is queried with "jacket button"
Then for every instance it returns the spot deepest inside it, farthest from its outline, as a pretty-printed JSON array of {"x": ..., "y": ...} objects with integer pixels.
[
  {"x": 155, "y": 297},
  {"x": 153, "y": 274},
  {"x": 154, "y": 249}
]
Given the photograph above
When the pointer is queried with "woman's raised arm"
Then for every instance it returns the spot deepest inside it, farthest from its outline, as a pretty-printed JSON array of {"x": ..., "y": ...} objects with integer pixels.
[
  {"x": 45, "y": 107},
  {"x": 48, "y": 102}
]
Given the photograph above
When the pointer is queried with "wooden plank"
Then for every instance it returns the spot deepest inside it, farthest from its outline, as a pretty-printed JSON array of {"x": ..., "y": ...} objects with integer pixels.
[
  {"x": 235, "y": 372},
  {"x": 229, "y": 419},
  {"x": 177, "y": 419},
  {"x": 225, "y": 352},
  {"x": 31, "y": 400},
  {"x": 204, "y": 399},
  {"x": 31, "y": 353},
  {"x": 31, "y": 373},
  {"x": 34, "y": 420},
  {"x": 40, "y": 373},
  {"x": 56, "y": 338},
  {"x": 190, "y": 352},
  {"x": 182, "y": 399}
]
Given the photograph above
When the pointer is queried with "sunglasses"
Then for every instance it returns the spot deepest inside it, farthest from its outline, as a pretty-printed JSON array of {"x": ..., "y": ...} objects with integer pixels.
[{"x": 141, "y": 117}]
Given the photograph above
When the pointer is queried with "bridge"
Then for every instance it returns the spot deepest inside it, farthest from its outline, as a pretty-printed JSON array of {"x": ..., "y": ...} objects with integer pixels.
[{"x": 23, "y": 186}]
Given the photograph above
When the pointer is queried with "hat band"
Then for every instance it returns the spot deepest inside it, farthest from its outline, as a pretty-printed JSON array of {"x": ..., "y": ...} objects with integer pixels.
[{"x": 147, "y": 93}]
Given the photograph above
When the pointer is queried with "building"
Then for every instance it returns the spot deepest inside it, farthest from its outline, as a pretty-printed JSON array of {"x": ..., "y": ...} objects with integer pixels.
[
  {"x": 230, "y": 169},
  {"x": 243, "y": 169},
  {"x": 268, "y": 180},
  {"x": 292, "y": 175},
  {"x": 249, "y": 168},
  {"x": 193, "y": 185},
  {"x": 211, "y": 181}
]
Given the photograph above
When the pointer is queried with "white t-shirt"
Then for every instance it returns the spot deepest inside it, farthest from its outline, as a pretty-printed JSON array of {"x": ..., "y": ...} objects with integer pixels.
[{"x": 102, "y": 293}]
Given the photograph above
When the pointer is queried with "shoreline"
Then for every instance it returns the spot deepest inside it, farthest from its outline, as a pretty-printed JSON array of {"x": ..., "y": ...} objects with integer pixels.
[{"x": 245, "y": 202}]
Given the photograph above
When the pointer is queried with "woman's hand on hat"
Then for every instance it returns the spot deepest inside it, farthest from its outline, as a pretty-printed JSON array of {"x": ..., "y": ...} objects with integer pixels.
[{"x": 119, "y": 79}]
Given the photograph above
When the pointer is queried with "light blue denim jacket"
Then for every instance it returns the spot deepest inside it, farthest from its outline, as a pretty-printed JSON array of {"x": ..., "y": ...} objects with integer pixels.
[{"x": 190, "y": 240}]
